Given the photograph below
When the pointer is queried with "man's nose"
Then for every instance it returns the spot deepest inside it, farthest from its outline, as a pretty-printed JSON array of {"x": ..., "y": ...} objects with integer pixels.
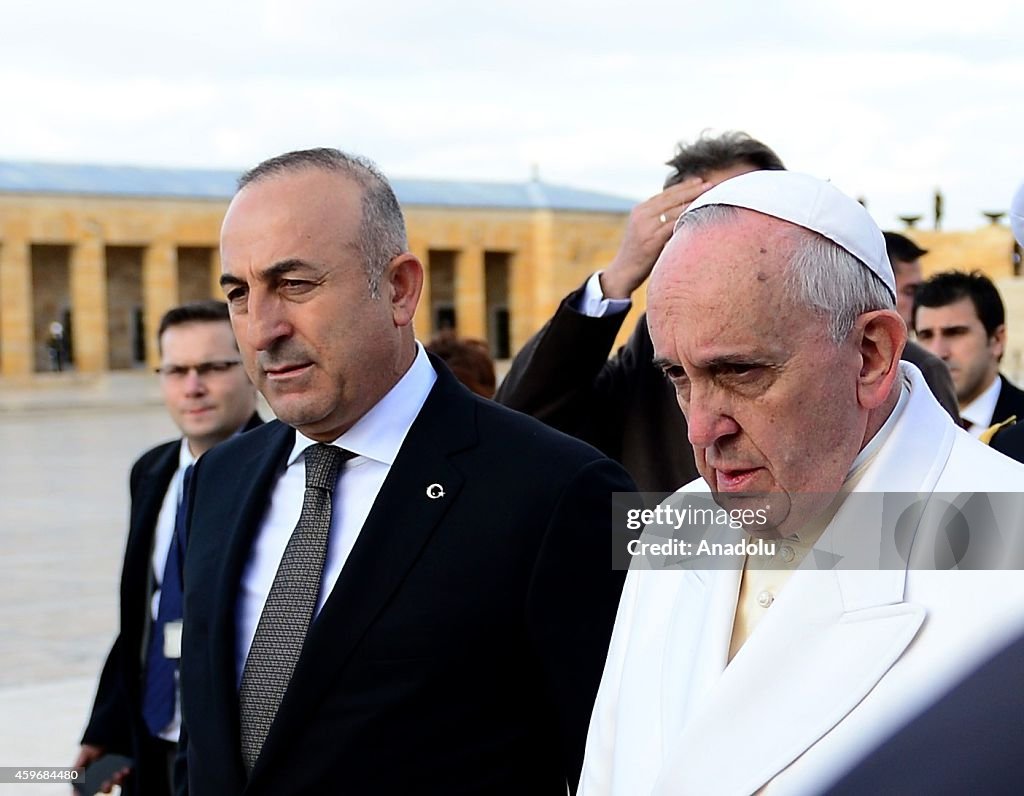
[
  {"x": 194, "y": 383},
  {"x": 708, "y": 419},
  {"x": 266, "y": 322}
]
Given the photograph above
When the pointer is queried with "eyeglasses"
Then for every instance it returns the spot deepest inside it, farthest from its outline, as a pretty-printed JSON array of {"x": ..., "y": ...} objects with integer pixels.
[{"x": 201, "y": 368}]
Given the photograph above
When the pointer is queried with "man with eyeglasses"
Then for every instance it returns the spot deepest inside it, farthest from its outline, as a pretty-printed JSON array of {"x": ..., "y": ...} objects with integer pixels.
[{"x": 210, "y": 398}]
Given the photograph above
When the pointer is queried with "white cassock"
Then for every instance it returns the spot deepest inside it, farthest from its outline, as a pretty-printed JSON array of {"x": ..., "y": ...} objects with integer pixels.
[{"x": 840, "y": 660}]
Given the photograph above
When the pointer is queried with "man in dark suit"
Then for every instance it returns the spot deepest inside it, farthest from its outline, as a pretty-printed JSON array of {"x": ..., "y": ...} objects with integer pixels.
[
  {"x": 960, "y": 318},
  {"x": 210, "y": 398},
  {"x": 623, "y": 405},
  {"x": 400, "y": 587}
]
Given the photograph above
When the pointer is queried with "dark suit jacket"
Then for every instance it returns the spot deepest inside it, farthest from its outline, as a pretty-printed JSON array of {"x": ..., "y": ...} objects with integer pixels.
[
  {"x": 461, "y": 648},
  {"x": 970, "y": 741},
  {"x": 116, "y": 721},
  {"x": 1009, "y": 440},
  {"x": 936, "y": 374},
  {"x": 1009, "y": 403},
  {"x": 624, "y": 405}
]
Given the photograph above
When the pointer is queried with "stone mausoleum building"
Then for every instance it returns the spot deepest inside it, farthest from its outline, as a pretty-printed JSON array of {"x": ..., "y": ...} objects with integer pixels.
[{"x": 106, "y": 250}]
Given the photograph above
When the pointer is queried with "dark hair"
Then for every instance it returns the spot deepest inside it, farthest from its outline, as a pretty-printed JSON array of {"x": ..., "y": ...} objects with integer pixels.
[
  {"x": 901, "y": 248},
  {"x": 469, "y": 360},
  {"x": 205, "y": 311},
  {"x": 381, "y": 229},
  {"x": 952, "y": 286},
  {"x": 709, "y": 153}
]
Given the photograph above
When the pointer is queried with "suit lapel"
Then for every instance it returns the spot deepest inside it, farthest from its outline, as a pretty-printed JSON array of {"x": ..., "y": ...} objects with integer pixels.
[
  {"x": 152, "y": 489},
  {"x": 400, "y": 524},
  {"x": 243, "y": 503},
  {"x": 828, "y": 640}
]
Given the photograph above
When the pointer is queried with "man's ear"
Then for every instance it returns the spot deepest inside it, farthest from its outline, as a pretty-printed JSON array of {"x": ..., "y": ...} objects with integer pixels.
[
  {"x": 999, "y": 341},
  {"x": 881, "y": 335},
  {"x": 401, "y": 285}
]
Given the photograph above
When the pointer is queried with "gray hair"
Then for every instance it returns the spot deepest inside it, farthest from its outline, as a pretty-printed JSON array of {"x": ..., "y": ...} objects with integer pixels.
[
  {"x": 820, "y": 274},
  {"x": 382, "y": 234}
]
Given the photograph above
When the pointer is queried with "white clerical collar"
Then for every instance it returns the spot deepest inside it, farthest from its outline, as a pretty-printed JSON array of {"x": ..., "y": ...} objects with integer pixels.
[
  {"x": 380, "y": 432},
  {"x": 869, "y": 451},
  {"x": 979, "y": 411}
]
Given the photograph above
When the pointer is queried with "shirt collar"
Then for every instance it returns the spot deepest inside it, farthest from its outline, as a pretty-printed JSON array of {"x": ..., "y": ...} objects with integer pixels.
[
  {"x": 185, "y": 457},
  {"x": 980, "y": 410},
  {"x": 869, "y": 451},
  {"x": 379, "y": 433}
]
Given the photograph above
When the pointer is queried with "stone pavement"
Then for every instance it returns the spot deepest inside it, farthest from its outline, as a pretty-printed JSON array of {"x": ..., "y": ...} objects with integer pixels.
[{"x": 66, "y": 445}]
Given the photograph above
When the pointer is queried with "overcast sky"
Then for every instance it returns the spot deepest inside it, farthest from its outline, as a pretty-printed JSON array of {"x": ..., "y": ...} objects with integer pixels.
[{"x": 888, "y": 98}]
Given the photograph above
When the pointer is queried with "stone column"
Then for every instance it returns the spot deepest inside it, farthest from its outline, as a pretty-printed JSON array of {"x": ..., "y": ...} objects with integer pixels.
[
  {"x": 470, "y": 294},
  {"x": 215, "y": 288},
  {"x": 159, "y": 291},
  {"x": 90, "y": 328},
  {"x": 16, "y": 338}
]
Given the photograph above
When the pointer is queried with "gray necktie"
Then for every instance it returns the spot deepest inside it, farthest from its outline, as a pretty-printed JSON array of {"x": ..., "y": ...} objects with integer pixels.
[{"x": 289, "y": 608}]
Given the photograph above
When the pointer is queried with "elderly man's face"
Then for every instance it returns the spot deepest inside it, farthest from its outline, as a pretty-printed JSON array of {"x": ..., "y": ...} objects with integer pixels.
[
  {"x": 314, "y": 341},
  {"x": 770, "y": 400}
]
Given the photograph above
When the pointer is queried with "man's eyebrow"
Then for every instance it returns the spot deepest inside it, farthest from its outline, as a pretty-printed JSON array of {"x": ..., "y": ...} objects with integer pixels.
[
  {"x": 736, "y": 359},
  {"x": 661, "y": 363},
  {"x": 275, "y": 271}
]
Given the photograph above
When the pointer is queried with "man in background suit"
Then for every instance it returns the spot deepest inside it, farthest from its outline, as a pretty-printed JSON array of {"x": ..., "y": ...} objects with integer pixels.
[
  {"x": 623, "y": 405},
  {"x": 960, "y": 318},
  {"x": 210, "y": 398},
  {"x": 401, "y": 587}
]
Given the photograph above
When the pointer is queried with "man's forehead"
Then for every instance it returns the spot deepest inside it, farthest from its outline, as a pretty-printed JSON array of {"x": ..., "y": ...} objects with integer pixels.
[
  {"x": 955, "y": 312},
  {"x": 742, "y": 242},
  {"x": 309, "y": 193}
]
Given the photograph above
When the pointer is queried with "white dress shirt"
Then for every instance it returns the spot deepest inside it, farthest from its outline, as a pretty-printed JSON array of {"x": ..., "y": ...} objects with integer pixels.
[
  {"x": 979, "y": 411},
  {"x": 594, "y": 304},
  {"x": 162, "y": 535},
  {"x": 375, "y": 439}
]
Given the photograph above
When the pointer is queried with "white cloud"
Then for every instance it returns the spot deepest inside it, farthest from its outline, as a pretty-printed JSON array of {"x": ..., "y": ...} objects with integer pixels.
[{"x": 890, "y": 99}]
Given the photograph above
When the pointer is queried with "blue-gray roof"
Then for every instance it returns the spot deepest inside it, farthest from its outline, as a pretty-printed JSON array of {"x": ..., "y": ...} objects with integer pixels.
[{"x": 96, "y": 180}]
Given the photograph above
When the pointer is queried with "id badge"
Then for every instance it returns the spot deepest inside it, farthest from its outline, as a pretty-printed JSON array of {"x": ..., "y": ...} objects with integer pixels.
[{"x": 172, "y": 640}]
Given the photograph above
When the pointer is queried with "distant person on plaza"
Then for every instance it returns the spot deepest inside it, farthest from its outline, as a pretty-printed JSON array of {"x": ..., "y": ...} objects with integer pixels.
[
  {"x": 960, "y": 318},
  {"x": 623, "y": 405},
  {"x": 469, "y": 361},
  {"x": 56, "y": 346},
  {"x": 905, "y": 258},
  {"x": 210, "y": 398}
]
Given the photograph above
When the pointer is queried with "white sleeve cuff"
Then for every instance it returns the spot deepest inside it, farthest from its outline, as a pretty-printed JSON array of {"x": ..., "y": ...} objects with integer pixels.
[{"x": 593, "y": 303}]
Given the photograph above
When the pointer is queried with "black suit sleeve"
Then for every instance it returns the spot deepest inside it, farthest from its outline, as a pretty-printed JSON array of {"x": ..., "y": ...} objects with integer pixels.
[
  {"x": 111, "y": 719},
  {"x": 572, "y": 601},
  {"x": 563, "y": 376},
  {"x": 110, "y": 723}
]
